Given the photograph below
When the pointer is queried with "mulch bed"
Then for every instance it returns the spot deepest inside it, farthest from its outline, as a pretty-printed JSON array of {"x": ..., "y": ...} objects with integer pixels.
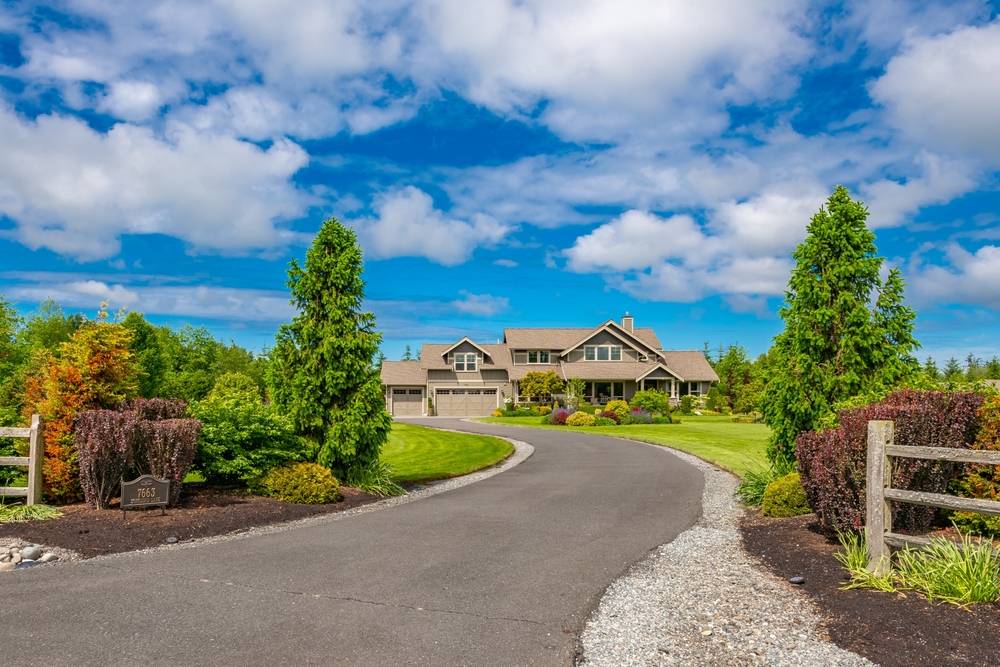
[
  {"x": 201, "y": 513},
  {"x": 889, "y": 629}
]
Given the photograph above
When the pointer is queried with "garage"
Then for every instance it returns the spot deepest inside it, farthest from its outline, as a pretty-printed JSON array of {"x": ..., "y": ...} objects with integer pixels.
[
  {"x": 407, "y": 402},
  {"x": 466, "y": 402}
]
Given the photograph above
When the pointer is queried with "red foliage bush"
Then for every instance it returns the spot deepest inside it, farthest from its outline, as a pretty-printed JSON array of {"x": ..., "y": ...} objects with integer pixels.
[
  {"x": 155, "y": 409},
  {"x": 166, "y": 449},
  {"x": 559, "y": 416},
  {"x": 105, "y": 440},
  {"x": 833, "y": 463},
  {"x": 610, "y": 414}
]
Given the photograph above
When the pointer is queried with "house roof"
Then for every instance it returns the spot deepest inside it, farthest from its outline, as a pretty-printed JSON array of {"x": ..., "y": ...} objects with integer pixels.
[
  {"x": 465, "y": 339},
  {"x": 604, "y": 370},
  {"x": 431, "y": 353},
  {"x": 653, "y": 367},
  {"x": 403, "y": 372},
  {"x": 689, "y": 365},
  {"x": 560, "y": 339},
  {"x": 615, "y": 330}
]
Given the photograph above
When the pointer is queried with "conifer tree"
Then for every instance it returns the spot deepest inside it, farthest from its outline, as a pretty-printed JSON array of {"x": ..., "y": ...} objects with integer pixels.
[
  {"x": 847, "y": 331},
  {"x": 324, "y": 371}
]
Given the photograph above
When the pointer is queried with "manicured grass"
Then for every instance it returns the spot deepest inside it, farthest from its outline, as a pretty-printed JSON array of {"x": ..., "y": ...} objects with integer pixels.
[
  {"x": 420, "y": 454},
  {"x": 735, "y": 447}
]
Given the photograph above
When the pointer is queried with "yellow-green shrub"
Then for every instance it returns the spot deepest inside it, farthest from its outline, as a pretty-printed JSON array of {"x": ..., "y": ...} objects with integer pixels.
[
  {"x": 302, "y": 483},
  {"x": 620, "y": 408},
  {"x": 544, "y": 410},
  {"x": 580, "y": 419},
  {"x": 785, "y": 497}
]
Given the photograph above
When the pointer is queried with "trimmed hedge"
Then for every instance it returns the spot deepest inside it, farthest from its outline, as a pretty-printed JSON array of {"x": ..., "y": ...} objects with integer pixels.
[
  {"x": 833, "y": 463},
  {"x": 785, "y": 497},
  {"x": 302, "y": 483},
  {"x": 580, "y": 419}
]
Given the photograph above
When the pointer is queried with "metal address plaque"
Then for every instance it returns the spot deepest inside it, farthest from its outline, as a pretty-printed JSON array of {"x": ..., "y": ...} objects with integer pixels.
[{"x": 145, "y": 491}]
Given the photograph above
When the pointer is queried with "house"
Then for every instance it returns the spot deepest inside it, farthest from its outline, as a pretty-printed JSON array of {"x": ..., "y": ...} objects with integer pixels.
[{"x": 615, "y": 360}]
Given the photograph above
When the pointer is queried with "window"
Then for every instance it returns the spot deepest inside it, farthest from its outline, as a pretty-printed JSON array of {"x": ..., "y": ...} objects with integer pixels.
[
  {"x": 443, "y": 392},
  {"x": 465, "y": 362},
  {"x": 643, "y": 357},
  {"x": 397, "y": 392},
  {"x": 416, "y": 392},
  {"x": 490, "y": 392},
  {"x": 458, "y": 392},
  {"x": 473, "y": 392},
  {"x": 602, "y": 353},
  {"x": 538, "y": 356}
]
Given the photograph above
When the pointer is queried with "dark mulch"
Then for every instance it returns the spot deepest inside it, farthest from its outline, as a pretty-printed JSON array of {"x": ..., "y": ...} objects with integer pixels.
[
  {"x": 889, "y": 629},
  {"x": 200, "y": 513}
]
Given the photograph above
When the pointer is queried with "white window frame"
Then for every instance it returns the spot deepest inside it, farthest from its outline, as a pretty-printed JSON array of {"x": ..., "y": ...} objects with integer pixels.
[
  {"x": 538, "y": 356},
  {"x": 466, "y": 362},
  {"x": 593, "y": 352}
]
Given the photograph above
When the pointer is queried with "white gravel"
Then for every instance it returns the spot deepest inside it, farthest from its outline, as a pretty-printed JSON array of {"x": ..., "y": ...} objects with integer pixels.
[{"x": 701, "y": 600}]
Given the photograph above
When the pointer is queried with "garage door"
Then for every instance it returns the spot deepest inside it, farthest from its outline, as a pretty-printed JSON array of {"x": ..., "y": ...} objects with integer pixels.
[
  {"x": 407, "y": 402},
  {"x": 466, "y": 402}
]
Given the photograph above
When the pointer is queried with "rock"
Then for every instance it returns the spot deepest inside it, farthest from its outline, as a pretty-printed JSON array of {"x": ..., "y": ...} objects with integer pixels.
[
  {"x": 7, "y": 566},
  {"x": 171, "y": 540},
  {"x": 706, "y": 633},
  {"x": 28, "y": 563},
  {"x": 16, "y": 559},
  {"x": 48, "y": 558},
  {"x": 31, "y": 553},
  {"x": 797, "y": 580}
]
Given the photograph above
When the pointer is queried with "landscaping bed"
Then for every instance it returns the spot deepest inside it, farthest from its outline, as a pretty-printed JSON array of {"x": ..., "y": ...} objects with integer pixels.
[
  {"x": 202, "y": 512},
  {"x": 893, "y": 630}
]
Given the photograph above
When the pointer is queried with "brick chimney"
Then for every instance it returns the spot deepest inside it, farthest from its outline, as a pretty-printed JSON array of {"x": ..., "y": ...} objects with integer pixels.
[{"x": 627, "y": 322}]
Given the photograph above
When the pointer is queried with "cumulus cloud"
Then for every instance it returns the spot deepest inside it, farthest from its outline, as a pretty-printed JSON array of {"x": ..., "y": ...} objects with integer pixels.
[
  {"x": 941, "y": 180},
  {"x": 406, "y": 224},
  {"x": 483, "y": 305},
  {"x": 944, "y": 90},
  {"x": 76, "y": 191},
  {"x": 968, "y": 277}
]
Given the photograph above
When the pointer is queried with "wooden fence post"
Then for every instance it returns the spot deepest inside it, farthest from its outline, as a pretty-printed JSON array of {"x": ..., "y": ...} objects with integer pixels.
[
  {"x": 36, "y": 458},
  {"x": 879, "y": 518}
]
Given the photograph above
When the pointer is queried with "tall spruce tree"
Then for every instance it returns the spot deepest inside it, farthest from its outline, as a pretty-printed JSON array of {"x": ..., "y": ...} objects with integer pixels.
[
  {"x": 324, "y": 371},
  {"x": 847, "y": 331}
]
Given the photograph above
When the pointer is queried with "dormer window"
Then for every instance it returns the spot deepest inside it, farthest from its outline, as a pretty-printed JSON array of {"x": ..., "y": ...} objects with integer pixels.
[
  {"x": 538, "y": 356},
  {"x": 602, "y": 353},
  {"x": 465, "y": 362}
]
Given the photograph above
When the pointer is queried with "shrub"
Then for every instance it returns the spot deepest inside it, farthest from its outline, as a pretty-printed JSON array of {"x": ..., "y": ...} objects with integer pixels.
[
  {"x": 981, "y": 481},
  {"x": 754, "y": 483},
  {"x": 726, "y": 410},
  {"x": 712, "y": 399},
  {"x": 375, "y": 477},
  {"x": 785, "y": 497},
  {"x": 580, "y": 419},
  {"x": 242, "y": 438},
  {"x": 742, "y": 419},
  {"x": 519, "y": 413},
  {"x": 167, "y": 450},
  {"x": 157, "y": 408},
  {"x": 544, "y": 410},
  {"x": 665, "y": 419},
  {"x": 105, "y": 441},
  {"x": 651, "y": 400},
  {"x": 833, "y": 462},
  {"x": 640, "y": 416},
  {"x": 604, "y": 421},
  {"x": 302, "y": 483},
  {"x": 686, "y": 402},
  {"x": 497, "y": 413},
  {"x": 609, "y": 414},
  {"x": 620, "y": 407},
  {"x": 559, "y": 416}
]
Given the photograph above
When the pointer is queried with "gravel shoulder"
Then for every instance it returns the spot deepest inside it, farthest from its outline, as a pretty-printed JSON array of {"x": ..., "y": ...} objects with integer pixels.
[{"x": 701, "y": 600}]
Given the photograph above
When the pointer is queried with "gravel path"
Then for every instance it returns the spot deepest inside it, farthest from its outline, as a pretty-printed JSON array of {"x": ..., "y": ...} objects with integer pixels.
[{"x": 701, "y": 600}]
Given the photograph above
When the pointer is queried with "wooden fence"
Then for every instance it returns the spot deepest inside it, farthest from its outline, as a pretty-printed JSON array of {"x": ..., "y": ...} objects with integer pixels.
[
  {"x": 36, "y": 454},
  {"x": 878, "y": 527}
]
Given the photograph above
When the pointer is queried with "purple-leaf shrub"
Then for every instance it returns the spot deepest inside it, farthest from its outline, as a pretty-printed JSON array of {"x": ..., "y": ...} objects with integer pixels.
[
  {"x": 156, "y": 409},
  {"x": 640, "y": 416},
  {"x": 558, "y": 416},
  {"x": 610, "y": 414},
  {"x": 166, "y": 450},
  {"x": 105, "y": 440},
  {"x": 833, "y": 463}
]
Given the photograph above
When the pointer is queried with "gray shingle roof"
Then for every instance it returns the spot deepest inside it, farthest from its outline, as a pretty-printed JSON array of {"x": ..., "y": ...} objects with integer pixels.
[
  {"x": 403, "y": 372},
  {"x": 690, "y": 365},
  {"x": 560, "y": 339}
]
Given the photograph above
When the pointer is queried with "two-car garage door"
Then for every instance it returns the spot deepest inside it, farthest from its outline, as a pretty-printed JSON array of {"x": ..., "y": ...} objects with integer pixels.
[{"x": 466, "y": 402}]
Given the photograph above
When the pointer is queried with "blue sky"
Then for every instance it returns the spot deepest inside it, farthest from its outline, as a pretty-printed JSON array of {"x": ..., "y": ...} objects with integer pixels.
[{"x": 531, "y": 163}]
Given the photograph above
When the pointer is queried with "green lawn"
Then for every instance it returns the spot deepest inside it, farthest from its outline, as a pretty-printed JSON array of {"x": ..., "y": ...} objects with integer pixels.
[
  {"x": 715, "y": 439},
  {"x": 421, "y": 454}
]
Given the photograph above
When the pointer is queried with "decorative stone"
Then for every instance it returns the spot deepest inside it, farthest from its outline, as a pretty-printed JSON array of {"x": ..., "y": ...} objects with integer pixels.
[
  {"x": 4, "y": 567},
  {"x": 31, "y": 553},
  {"x": 16, "y": 559},
  {"x": 797, "y": 580},
  {"x": 171, "y": 540},
  {"x": 48, "y": 558}
]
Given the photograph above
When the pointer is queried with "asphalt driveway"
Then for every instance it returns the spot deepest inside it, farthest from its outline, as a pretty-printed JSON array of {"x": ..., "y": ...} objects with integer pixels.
[{"x": 501, "y": 572}]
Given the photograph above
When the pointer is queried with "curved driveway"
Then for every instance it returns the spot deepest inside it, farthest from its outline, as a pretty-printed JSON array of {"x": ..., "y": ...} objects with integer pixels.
[{"x": 501, "y": 572}]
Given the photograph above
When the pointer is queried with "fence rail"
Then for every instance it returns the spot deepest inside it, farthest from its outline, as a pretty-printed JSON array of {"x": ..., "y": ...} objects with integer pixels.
[
  {"x": 878, "y": 524},
  {"x": 34, "y": 459}
]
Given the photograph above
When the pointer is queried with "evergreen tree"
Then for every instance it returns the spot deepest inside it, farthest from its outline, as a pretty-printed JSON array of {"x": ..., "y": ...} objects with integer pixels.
[
  {"x": 953, "y": 371},
  {"x": 973, "y": 368},
  {"x": 931, "y": 369},
  {"x": 993, "y": 369},
  {"x": 407, "y": 354},
  {"x": 836, "y": 343},
  {"x": 323, "y": 369}
]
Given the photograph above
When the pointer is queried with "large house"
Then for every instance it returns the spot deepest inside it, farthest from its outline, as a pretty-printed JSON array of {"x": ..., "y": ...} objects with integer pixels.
[{"x": 473, "y": 379}]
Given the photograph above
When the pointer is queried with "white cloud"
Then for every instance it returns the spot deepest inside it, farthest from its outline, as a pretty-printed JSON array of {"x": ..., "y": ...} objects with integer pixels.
[
  {"x": 638, "y": 240},
  {"x": 132, "y": 100},
  {"x": 968, "y": 278},
  {"x": 482, "y": 305},
  {"x": 407, "y": 225},
  {"x": 508, "y": 263},
  {"x": 941, "y": 180},
  {"x": 76, "y": 191},
  {"x": 945, "y": 90}
]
